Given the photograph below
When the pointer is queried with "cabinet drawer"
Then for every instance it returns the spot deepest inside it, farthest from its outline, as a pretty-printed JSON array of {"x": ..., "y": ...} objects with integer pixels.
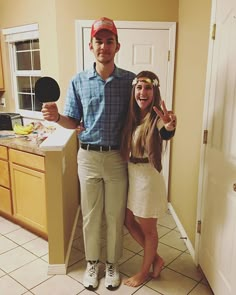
[
  {"x": 26, "y": 159},
  {"x": 4, "y": 174},
  {"x": 5, "y": 200},
  {"x": 3, "y": 152}
]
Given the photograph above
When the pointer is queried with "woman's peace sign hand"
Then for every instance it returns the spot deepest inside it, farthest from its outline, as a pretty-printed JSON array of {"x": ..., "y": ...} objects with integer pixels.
[{"x": 168, "y": 117}]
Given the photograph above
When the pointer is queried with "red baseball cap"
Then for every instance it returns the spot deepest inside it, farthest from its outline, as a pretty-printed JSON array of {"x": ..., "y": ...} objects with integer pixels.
[{"x": 103, "y": 23}]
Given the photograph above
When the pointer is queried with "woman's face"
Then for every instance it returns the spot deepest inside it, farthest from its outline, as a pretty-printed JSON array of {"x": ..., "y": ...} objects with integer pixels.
[{"x": 144, "y": 94}]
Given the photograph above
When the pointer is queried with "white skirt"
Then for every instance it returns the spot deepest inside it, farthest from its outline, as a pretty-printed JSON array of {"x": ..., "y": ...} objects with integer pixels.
[{"x": 147, "y": 196}]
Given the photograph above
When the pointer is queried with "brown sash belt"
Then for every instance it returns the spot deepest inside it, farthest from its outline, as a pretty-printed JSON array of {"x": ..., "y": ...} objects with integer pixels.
[{"x": 138, "y": 160}]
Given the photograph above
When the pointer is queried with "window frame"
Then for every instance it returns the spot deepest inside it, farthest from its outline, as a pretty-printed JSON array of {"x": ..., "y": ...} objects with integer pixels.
[{"x": 13, "y": 35}]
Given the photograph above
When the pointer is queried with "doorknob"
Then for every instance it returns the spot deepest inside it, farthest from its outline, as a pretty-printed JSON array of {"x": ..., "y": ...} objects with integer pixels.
[{"x": 234, "y": 187}]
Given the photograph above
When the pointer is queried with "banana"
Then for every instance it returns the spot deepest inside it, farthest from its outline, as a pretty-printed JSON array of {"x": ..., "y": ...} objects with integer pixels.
[
  {"x": 29, "y": 127},
  {"x": 23, "y": 130}
]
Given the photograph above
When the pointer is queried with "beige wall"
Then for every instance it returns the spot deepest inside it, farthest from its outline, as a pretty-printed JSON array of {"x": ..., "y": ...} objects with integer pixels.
[
  {"x": 56, "y": 20},
  {"x": 191, "y": 61}
]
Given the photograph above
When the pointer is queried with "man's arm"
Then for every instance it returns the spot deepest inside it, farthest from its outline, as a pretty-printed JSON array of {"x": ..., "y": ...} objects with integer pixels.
[{"x": 50, "y": 113}]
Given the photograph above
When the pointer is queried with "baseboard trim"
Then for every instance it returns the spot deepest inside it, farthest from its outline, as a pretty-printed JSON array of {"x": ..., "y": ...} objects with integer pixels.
[
  {"x": 182, "y": 232},
  {"x": 61, "y": 269},
  {"x": 57, "y": 269}
]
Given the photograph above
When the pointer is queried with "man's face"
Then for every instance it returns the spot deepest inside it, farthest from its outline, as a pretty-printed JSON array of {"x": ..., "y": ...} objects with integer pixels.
[{"x": 104, "y": 46}]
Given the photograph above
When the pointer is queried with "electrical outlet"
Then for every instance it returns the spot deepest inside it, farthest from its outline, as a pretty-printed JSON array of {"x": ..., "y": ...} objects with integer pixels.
[{"x": 3, "y": 102}]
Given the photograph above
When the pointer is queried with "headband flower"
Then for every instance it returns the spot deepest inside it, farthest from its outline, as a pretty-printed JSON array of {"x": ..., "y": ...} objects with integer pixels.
[{"x": 155, "y": 82}]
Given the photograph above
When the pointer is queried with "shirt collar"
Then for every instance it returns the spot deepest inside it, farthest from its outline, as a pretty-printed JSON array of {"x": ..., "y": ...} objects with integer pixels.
[{"x": 92, "y": 72}]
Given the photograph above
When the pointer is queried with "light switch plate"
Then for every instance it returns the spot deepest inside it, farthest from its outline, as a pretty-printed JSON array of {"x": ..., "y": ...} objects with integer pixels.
[{"x": 3, "y": 102}]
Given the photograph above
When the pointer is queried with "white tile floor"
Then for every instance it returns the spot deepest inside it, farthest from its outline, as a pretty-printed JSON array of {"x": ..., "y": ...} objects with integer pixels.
[{"x": 24, "y": 256}]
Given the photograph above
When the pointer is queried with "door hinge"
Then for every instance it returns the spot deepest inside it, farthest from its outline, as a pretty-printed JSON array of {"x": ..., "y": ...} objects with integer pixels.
[
  {"x": 213, "y": 32},
  {"x": 205, "y": 136},
  {"x": 199, "y": 226},
  {"x": 168, "y": 55}
]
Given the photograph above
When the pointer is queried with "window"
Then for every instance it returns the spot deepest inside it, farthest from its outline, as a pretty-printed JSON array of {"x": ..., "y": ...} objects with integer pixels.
[
  {"x": 24, "y": 49},
  {"x": 27, "y": 63}
]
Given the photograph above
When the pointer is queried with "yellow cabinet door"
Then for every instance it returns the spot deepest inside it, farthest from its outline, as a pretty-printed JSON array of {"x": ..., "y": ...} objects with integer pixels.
[
  {"x": 29, "y": 197},
  {"x": 5, "y": 200}
]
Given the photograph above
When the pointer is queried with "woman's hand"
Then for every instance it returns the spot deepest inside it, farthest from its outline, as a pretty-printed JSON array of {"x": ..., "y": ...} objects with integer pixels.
[
  {"x": 168, "y": 117},
  {"x": 80, "y": 128}
]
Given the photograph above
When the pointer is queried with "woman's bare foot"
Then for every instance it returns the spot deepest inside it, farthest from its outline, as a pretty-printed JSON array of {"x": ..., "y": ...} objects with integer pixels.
[
  {"x": 136, "y": 280},
  {"x": 157, "y": 267}
]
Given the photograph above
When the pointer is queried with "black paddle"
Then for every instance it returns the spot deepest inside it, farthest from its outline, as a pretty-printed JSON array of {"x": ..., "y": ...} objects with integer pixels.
[{"x": 47, "y": 90}]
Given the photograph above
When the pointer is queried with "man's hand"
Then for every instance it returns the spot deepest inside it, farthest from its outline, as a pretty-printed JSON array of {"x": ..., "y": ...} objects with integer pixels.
[{"x": 50, "y": 111}]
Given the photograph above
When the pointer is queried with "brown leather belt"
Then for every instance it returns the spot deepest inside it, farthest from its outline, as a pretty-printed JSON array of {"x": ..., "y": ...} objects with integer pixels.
[{"x": 138, "y": 160}]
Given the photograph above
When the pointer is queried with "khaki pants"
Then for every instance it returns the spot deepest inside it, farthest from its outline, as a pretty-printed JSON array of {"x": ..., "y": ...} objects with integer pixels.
[{"x": 103, "y": 183}]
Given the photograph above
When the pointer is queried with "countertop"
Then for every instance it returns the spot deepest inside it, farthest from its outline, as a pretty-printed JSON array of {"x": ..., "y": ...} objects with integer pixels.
[
  {"x": 54, "y": 142},
  {"x": 22, "y": 143}
]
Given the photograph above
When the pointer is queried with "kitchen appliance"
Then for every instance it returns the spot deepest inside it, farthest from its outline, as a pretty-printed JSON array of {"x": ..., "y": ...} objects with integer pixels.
[{"x": 8, "y": 120}]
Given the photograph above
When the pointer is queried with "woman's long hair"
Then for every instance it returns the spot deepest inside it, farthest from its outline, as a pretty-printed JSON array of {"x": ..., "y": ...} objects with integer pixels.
[{"x": 133, "y": 118}]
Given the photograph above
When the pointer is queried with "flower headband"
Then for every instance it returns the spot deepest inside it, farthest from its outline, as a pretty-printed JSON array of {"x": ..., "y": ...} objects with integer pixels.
[{"x": 155, "y": 82}]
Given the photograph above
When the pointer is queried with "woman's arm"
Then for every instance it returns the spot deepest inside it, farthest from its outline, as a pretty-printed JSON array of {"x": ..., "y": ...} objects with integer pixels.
[
  {"x": 166, "y": 123},
  {"x": 166, "y": 134}
]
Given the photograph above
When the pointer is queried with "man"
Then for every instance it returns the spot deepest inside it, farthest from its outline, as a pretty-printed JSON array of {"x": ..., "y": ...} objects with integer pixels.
[{"x": 96, "y": 105}]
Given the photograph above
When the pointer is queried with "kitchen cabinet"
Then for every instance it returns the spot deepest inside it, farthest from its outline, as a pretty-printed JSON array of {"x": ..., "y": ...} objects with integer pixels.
[
  {"x": 43, "y": 206},
  {"x": 1, "y": 72},
  {"x": 28, "y": 188},
  {"x": 5, "y": 192}
]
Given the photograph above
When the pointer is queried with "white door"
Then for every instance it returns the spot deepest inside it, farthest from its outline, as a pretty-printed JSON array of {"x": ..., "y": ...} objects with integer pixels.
[
  {"x": 144, "y": 46},
  {"x": 217, "y": 248}
]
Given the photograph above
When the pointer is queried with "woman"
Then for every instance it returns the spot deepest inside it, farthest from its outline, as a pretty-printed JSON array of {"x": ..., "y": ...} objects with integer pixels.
[{"x": 148, "y": 124}]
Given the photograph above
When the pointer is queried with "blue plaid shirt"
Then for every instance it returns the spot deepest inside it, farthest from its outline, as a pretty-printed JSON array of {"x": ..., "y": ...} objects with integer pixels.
[{"x": 102, "y": 105}]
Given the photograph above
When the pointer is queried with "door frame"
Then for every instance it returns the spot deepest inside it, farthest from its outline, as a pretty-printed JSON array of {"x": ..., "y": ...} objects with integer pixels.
[
  {"x": 80, "y": 25},
  {"x": 204, "y": 127}
]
